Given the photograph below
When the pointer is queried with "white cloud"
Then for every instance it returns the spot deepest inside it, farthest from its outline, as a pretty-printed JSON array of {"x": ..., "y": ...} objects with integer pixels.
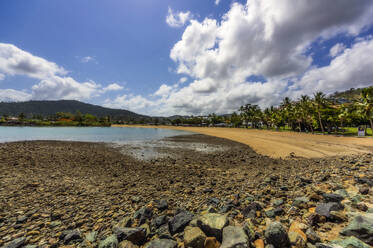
[
  {"x": 177, "y": 19},
  {"x": 337, "y": 49},
  {"x": 87, "y": 59},
  {"x": 113, "y": 87},
  {"x": 163, "y": 91},
  {"x": 2, "y": 76},
  {"x": 217, "y": 2},
  {"x": 10, "y": 95}
]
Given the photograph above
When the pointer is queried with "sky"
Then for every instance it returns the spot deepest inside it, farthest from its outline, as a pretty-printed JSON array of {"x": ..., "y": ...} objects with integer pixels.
[{"x": 167, "y": 57}]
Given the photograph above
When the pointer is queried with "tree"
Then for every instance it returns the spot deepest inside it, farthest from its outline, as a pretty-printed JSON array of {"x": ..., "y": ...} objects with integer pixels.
[
  {"x": 365, "y": 105},
  {"x": 21, "y": 116},
  {"x": 320, "y": 103}
]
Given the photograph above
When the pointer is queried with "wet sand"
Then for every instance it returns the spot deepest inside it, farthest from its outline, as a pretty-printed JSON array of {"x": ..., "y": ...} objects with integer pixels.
[{"x": 284, "y": 144}]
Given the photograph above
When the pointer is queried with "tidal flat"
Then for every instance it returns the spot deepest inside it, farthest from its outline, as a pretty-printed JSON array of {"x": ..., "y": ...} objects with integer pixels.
[{"x": 55, "y": 193}]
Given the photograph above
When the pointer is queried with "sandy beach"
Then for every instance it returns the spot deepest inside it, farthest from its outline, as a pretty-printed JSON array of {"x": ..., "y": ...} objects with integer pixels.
[{"x": 284, "y": 144}]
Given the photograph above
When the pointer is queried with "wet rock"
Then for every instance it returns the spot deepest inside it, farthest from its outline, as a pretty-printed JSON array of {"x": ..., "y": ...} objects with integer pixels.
[
  {"x": 361, "y": 227},
  {"x": 162, "y": 205},
  {"x": 324, "y": 209},
  {"x": 212, "y": 224},
  {"x": 194, "y": 237},
  {"x": 161, "y": 243},
  {"x": 72, "y": 236},
  {"x": 136, "y": 235},
  {"x": 109, "y": 242},
  {"x": 276, "y": 235},
  {"x": 179, "y": 222},
  {"x": 332, "y": 197},
  {"x": 351, "y": 242},
  {"x": 234, "y": 237},
  {"x": 16, "y": 243}
]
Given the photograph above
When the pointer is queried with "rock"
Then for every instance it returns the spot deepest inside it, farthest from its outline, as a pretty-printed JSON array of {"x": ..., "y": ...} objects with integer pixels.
[
  {"x": 212, "y": 224},
  {"x": 312, "y": 236},
  {"x": 21, "y": 219},
  {"x": 136, "y": 235},
  {"x": 351, "y": 242},
  {"x": 91, "y": 237},
  {"x": 194, "y": 237},
  {"x": 364, "y": 190},
  {"x": 296, "y": 236},
  {"x": 179, "y": 222},
  {"x": 276, "y": 235},
  {"x": 16, "y": 243},
  {"x": 135, "y": 199},
  {"x": 332, "y": 197},
  {"x": 278, "y": 202},
  {"x": 162, "y": 205},
  {"x": 160, "y": 220},
  {"x": 361, "y": 227},
  {"x": 125, "y": 222},
  {"x": 342, "y": 192},
  {"x": 109, "y": 242},
  {"x": 259, "y": 243},
  {"x": 161, "y": 243},
  {"x": 324, "y": 209},
  {"x": 301, "y": 202},
  {"x": 234, "y": 237},
  {"x": 338, "y": 216},
  {"x": 127, "y": 244},
  {"x": 143, "y": 214},
  {"x": 56, "y": 215},
  {"x": 163, "y": 232},
  {"x": 211, "y": 242},
  {"x": 72, "y": 236},
  {"x": 249, "y": 230}
]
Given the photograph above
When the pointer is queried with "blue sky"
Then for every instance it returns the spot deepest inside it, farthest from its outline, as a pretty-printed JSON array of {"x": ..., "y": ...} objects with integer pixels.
[{"x": 164, "y": 57}]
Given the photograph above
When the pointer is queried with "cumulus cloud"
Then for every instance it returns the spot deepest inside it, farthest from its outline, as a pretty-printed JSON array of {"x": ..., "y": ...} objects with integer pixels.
[
  {"x": 337, "y": 49},
  {"x": 53, "y": 83},
  {"x": 10, "y": 95},
  {"x": 177, "y": 19},
  {"x": 113, "y": 87}
]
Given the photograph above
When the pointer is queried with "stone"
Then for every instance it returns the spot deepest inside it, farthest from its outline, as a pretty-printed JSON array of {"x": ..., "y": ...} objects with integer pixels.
[
  {"x": 194, "y": 237},
  {"x": 361, "y": 227},
  {"x": 301, "y": 202},
  {"x": 278, "y": 202},
  {"x": 276, "y": 235},
  {"x": 163, "y": 232},
  {"x": 211, "y": 242},
  {"x": 19, "y": 242},
  {"x": 162, "y": 205},
  {"x": 136, "y": 235},
  {"x": 364, "y": 190},
  {"x": 212, "y": 224},
  {"x": 332, "y": 197},
  {"x": 109, "y": 242},
  {"x": 160, "y": 220},
  {"x": 72, "y": 236},
  {"x": 312, "y": 236},
  {"x": 127, "y": 244},
  {"x": 234, "y": 237},
  {"x": 143, "y": 214},
  {"x": 125, "y": 222},
  {"x": 21, "y": 219},
  {"x": 296, "y": 236},
  {"x": 161, "y": 243},
  {"x": 259, "y": 243},
  {"x": 324, "y": 209},
  {"x": 179, "y": 222},
  {"x": 351, "y": 242},
  {"x": 249, "y": 230},
  {"x": 91, "y": 237}
]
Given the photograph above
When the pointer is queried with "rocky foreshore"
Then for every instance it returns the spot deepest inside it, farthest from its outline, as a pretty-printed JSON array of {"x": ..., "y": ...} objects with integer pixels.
[{"x": 71, "y": 194}]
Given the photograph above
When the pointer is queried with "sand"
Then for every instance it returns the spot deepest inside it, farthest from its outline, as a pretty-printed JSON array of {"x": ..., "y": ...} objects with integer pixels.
[{"x": 283, "y": 144}]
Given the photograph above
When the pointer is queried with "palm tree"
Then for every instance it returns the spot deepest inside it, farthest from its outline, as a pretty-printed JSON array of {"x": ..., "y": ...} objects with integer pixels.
[
  {"x": 365, "y": 105},
  {"x": 320, "y": 102}
]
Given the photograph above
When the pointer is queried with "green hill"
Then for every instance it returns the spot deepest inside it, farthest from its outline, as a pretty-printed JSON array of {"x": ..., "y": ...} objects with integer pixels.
[{"x": 49, "y": 108}]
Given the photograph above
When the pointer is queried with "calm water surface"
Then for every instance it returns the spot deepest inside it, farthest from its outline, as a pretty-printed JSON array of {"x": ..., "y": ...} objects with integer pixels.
[{"x": 89, "y": 134}]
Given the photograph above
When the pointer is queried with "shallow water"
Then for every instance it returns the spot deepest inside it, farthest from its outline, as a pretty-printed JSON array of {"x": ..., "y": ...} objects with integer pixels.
[{"x": 120, "y": 135}]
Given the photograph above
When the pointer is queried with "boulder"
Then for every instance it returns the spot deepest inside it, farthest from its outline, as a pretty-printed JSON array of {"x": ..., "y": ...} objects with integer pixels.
[
  {"x": 179, "y": 222},
  {"x": 194, "y": 237},
  {"x": 351, "y": 242},
  {"x": 324, "y": 209},
  {"x": 136, "y": 235},
  {"x": 161, "y": 243},
  {"x": 234, "y": 237},
  {"x": 212, "y": 224},
  {"x": 361, "y": 227},
  {"x": 276, "y": 235}
]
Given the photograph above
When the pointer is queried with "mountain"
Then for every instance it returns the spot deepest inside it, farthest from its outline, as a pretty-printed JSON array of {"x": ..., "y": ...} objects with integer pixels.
[
  {"x": 347, "y": 95},
  {"x": 49, "y": 108}
]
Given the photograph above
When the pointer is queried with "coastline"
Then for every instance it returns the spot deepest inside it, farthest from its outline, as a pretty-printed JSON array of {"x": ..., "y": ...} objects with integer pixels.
[
  {"x": 58, "y": 193},
  {"x": 283, "y": 144}
]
